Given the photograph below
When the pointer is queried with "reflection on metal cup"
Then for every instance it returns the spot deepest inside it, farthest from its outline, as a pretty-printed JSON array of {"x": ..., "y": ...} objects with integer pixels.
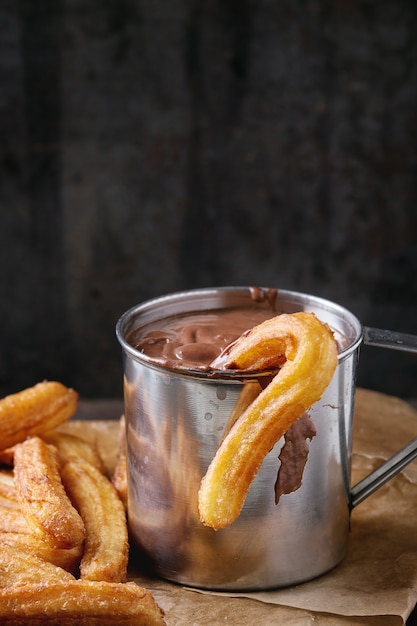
[{"x": 175, "y": 421}]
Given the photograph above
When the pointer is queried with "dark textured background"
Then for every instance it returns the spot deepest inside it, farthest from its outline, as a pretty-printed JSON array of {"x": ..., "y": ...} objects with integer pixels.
[{"x": 151, "y": 146}]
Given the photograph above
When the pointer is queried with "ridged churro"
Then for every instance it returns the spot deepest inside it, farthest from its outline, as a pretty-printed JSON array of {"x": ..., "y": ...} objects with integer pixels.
[
  {"x": 106, "y": 545},
  {"x": 35, "y": 410},
  {"x": 45, "y": 503},
  {"x": 78, "y": 603},
  {"x": 310, "y": 352},
  {"x": 18, "y": 566},
  {"x": 66, "y": 558},
  {"x": 70, "y": 448}
]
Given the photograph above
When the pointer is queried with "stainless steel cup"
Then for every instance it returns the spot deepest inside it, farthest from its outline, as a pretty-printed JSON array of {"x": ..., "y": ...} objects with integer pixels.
[{"x": 175, "y": 421}]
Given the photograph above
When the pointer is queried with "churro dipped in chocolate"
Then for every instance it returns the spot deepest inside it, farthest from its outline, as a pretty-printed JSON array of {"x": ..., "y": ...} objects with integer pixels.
[{"x": 305, "y": 351}]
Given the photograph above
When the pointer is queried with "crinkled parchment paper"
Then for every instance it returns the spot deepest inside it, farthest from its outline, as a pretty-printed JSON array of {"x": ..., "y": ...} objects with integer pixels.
[{"x": 375, "y": 585}]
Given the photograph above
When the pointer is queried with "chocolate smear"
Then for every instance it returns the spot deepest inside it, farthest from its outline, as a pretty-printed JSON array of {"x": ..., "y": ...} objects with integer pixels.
[{"x": 293, "y": 456}]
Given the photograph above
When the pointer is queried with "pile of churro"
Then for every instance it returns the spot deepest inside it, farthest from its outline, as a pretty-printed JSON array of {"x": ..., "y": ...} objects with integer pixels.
[{"x": 63, "y": 531}]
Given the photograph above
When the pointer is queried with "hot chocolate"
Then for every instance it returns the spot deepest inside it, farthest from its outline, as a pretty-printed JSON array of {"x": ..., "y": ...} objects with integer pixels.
[{"x": 195, "y": 340}]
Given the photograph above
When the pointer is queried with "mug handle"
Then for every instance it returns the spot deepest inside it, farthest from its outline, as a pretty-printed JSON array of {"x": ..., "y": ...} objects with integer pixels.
[{"x": 392, "y": 466}]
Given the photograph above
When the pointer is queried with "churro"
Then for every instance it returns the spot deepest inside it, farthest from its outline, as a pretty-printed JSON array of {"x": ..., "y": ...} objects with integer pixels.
[
  {"x": 35, "y": 410},
  {"x": 17, "y": 566},
  {"x": 78, "y": 603},
  {"x": 71, "y": 447},
  {"x": 310, "y": 352},
  {"x": 45, "y": 503},
  {"x": 66, "y": 558},
  {"x": 106, "y": 545}
]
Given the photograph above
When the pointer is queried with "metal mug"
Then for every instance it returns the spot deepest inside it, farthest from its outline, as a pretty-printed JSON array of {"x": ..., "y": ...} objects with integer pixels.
[{"x": 174, "y": 423}]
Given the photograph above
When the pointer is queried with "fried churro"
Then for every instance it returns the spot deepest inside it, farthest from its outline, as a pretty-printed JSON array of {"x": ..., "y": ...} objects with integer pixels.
[
  {"x": 35, "y": 410},
  {"x": 310, "y": 352},
  {"x": 44, "y": 501},
  {"x": 78, "y": 603},
  {"x": 106, "y": 545},
  {"x": 17, "y": 566}
]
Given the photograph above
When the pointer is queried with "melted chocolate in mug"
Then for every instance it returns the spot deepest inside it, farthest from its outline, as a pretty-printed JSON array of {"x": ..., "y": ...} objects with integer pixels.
[{"x": 194, "y": 340}]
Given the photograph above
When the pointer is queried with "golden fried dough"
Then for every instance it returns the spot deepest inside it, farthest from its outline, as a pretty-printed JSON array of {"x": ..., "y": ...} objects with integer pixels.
[
  {"x": 70, "y": 448},
  {"x": 310, "y": 352},
  {"x": 19, "y": 566},
  {"x": 46, "y": 506},
  {"x": 66, "y": 558},
  {"x": 78, "y": 603},
  {"x": 106, "y": 544},
  {"x": 35, "y": 410},
  {"x": 12, "y": 520}
]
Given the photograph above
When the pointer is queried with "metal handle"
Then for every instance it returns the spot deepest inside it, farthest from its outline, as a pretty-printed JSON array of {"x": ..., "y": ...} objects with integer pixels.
[
  {"x": 389, "y": 339},
  {"x": 392, "y": 466}
]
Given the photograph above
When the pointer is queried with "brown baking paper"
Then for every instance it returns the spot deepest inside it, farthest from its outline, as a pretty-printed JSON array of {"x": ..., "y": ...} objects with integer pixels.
[{"x": 375, "y": 585}]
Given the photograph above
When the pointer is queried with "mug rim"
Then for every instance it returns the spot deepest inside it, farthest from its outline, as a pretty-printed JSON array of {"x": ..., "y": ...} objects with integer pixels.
[{"x": 294, "y": 300}]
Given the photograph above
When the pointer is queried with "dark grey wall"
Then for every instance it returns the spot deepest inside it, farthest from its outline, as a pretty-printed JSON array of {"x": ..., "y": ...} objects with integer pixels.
[{"x": 153, "y": 146}]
